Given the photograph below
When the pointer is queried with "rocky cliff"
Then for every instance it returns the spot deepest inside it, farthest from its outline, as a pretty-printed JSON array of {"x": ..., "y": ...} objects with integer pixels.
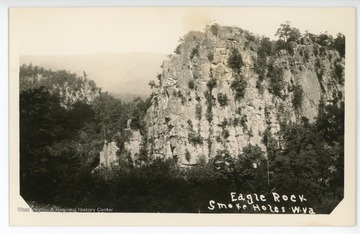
[
  {"x": 224, "y": 87},
  {"x": 70, "y": 87}
]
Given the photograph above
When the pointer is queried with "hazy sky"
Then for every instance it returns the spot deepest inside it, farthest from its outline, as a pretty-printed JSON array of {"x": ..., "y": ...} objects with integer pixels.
[{"x": 67, "y": 31}]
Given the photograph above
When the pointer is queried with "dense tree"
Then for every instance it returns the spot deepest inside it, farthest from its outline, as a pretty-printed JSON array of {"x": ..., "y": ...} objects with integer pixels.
[
  {"x": 251, "y": 170},
  {"x": 46, "y": 149},
  {"x": 339, "y": 44},
  {"x": 265, "y": 50},
  {"x": 235, "y": 60},
  {"x": 39, "y": 112},
  {"x": 276, "y": 83},
  {"x": 297, "y": 100},
  {"x": 311, "y": 160},
  {"x": 238, "y": 85},
  {"x": 288, "y": 33},
  {"x": 138, "y": 114}
]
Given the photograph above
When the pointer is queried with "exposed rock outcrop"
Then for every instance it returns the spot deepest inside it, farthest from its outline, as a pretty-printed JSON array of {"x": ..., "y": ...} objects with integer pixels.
[
  {"x": 213, "y": 94},
  {"x": 70, "y": 93},
  {"x": 108, "y": 156},
  {"x": 134, "y": 143},
  {"x": 70, "y": 87}
]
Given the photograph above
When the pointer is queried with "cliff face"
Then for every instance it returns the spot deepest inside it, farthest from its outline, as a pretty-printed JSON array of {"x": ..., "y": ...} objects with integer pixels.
[
  {"x": 70, "y": 87},
  {"x": 108, "y": 157},
  {"x": 71, "y": 93},
  {"x": 223, "y": 88}
]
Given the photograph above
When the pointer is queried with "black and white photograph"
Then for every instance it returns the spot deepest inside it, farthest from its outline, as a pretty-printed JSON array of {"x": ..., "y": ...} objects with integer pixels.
[{"x": 187, "y": 110}]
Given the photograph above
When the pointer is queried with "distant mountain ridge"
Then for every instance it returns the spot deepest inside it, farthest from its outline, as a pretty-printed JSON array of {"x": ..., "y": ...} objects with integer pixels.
[{"x": 116, "y": 73}]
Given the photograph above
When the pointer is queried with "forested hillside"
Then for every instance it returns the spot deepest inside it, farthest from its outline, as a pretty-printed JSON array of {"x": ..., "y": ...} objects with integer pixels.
[{"x": 64, "y": 120}]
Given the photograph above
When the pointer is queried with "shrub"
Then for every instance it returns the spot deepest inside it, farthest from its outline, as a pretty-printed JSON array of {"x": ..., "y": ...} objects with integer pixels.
[
  {"x": 238, "y": 85},
  {"x": 265, "y": 50},
  {"x": 260, "y": 87},
  {"x": 195, "y": 51},
  {"x": 306, "y": 55},
  {"x": 209, "y": 99},
  {"x": 235, "y": 122},
  {"x": 260, "y": 67},
  {"x": 265, "y": 46},
  {"x": 222, "y": 99},
  {"x": 235, "y": 61},
  {"x": 211, "y": 84},
  {"x": 339, "y": 44},
  {"x": 297, "y": 97},
  {"x": 187, "y": 155},
  {"x": 276, "y": 84},
  {"x": 226, "y": 133},
  {"x": 339, "y": 73},
  {"x": 224, "y": 123},
  {"x": 191, "y": 84},
  {"x": 319, "y": 70},
  {"x": 251, "y": 134},
  {"x": 189, "y": 122},
  {"x": 214, "y": 29},
  {"x": 152, "y": 84},
  {"x": 183, "y": 98},
  {"x": 324, "y": 39},
  {"x": 288, "y": 46},
  {"x": 210, "y": 56},
  {"x": 209, "y": 115},
  {"x": 250, "y": 36},
  {"x": 243, "y": 121},
  {"x": 178, "y": 50},
  {"x": 198, "y": 111},
  {"x": 194, "y": 138}
]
